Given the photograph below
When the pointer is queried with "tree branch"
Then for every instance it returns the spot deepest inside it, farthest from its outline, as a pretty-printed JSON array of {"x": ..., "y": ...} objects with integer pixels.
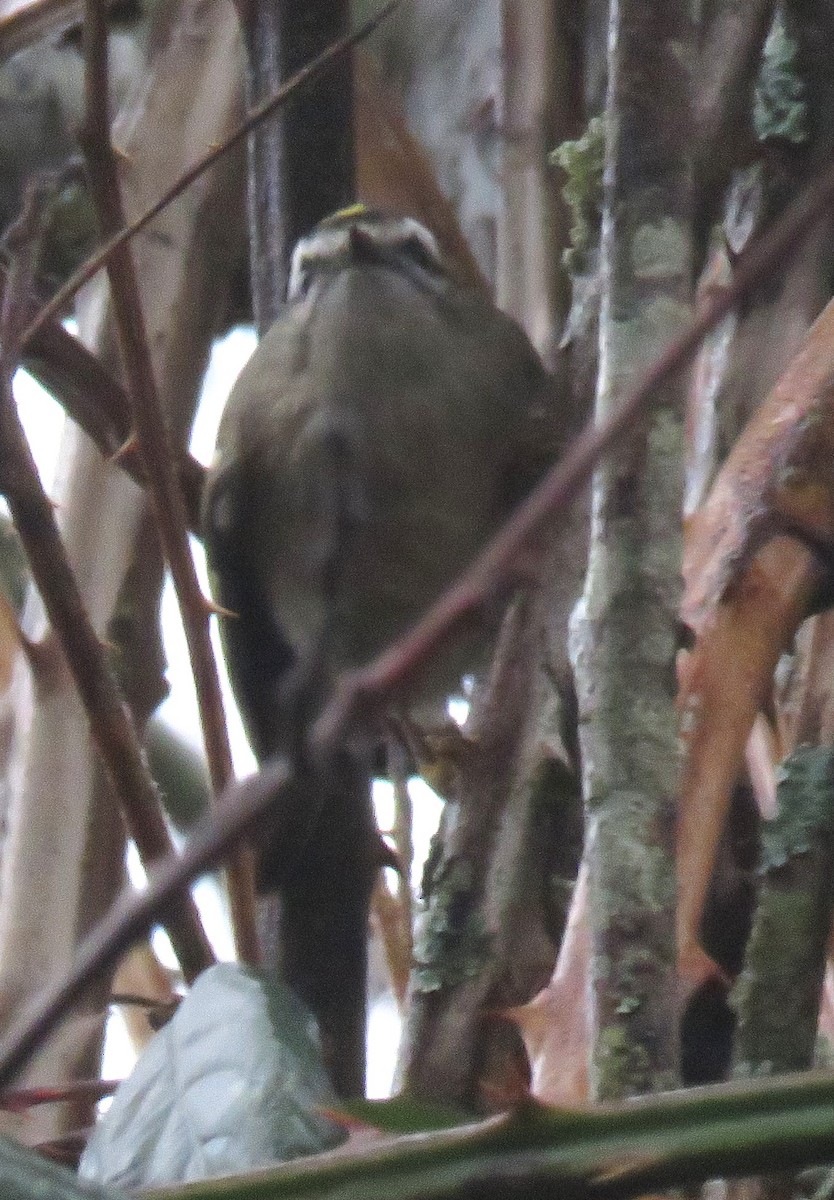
[
  {"x": 95, "y": 400},
  {"x": 111, "y": 724},
  {"x": 157, "y": 453},
  {"x": 366, "y": 689},
  {"x": 306, "y": 75},
  {"x": 726, "y": 71},
  {"x": 243, "y": 807}
]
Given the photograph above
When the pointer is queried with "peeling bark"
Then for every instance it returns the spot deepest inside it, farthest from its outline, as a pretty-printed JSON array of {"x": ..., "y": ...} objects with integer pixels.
[{"x": 539, "y": 111}]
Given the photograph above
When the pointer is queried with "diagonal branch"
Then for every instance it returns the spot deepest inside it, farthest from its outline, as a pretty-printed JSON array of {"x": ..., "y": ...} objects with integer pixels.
[
  {"x": 367, "y": 688},
  {"x": 244, "y": 807},
  {"x": 158, "y": 455},
  {"x": 111, "y": 724},
  {"x": 250, "y": 802},
  {"x": 95, "y": 400},
  {"x": 301, "y": 78}
]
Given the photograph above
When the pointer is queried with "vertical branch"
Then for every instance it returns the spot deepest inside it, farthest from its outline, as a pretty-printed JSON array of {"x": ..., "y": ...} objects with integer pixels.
[
  {"x": 625, "y": 632},
  {"x": 155, "y": 445},
  {"x": 778, "y": 994},
  {"x": 539, "y": 111},
  {"x": 403, "y": 827},
  {"x": 301, "y": 162},
  {"x": 112, "y": 727},
  {"x": 728, "y": 60},
  {"x": 481, "y": 945},
  {"x": 301, "y": 167}
]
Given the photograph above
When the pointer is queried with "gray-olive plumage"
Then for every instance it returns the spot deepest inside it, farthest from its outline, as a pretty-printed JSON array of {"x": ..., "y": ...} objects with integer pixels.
[{"x": 376, "y": 439}]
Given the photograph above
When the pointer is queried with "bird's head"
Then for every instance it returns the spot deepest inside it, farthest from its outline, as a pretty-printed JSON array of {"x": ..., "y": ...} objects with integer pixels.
[{"x": 359, "y": 235}]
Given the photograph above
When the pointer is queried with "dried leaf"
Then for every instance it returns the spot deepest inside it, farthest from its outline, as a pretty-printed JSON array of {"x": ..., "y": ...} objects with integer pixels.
[
  {"x": 751, "y": 575},
  {"x": 556, "y": 1024}
]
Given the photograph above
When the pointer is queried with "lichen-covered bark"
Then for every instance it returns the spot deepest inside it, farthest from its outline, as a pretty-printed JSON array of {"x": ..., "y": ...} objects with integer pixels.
[
  {"x": 778, "y": 994},
  {"x": 487, "y": 937},
  {"x": 793, "y": 119},
  {"x": 625, "y": 627}
]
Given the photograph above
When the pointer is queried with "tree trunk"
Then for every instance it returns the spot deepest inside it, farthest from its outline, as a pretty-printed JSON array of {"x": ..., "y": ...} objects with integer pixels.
[{"x": 625, "y": 628}]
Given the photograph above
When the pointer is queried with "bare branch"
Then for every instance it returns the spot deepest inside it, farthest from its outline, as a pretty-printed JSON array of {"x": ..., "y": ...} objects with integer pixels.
[
  {"x": 111, "y": 723},
  {"x": 727, "y": 65},
  {"x": 23, "y": 24},
  {"x": 269, "y": 106},
  {"x": 157, "y": 454},
  {"x": 243, "y": 806},
  {"x": 367, "y": 688},
  {"x": 80, "y": 1089},
  {"x": 95, "y": 400}
]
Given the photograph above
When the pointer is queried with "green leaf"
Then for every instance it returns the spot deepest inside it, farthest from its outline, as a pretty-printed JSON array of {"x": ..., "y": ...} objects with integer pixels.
[
  {"x": 403, "y": 1114},
  {"x": 25, "y": 1175},
  {"x": 234, "y": 1081}
]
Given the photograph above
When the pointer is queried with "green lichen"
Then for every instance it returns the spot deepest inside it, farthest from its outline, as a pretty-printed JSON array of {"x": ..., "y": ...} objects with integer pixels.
[
  {"x": 777, "y": 993},
  {"x": 619, "y": 1064},
  {"x": 660, "y": 250},
  {"x": 638, "y": 967},
  {"x": 640, "y": 882},
  {"x": 453, "y": 943},
  {"x": 638, "y": 337},
  {"x": 779, "y": 106},
  {"x": 628, "y": 1005},
  {"x": 663, "y": 318},
  {"x": 806, "y": 806},
  {"x": 583, "y": 161},
  {"x": 776, "y": 996}
]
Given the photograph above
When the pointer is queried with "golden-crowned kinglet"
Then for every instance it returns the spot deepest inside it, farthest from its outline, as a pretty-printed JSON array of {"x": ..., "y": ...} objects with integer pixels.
[{"x": 377, "y": 437}]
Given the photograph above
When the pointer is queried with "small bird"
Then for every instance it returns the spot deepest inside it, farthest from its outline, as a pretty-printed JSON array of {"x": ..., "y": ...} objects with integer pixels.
[{"x": 378, "y": 436}]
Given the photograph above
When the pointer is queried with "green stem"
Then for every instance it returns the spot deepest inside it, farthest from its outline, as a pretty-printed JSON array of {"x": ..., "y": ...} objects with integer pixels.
[{"x": 611, "y": 1151}]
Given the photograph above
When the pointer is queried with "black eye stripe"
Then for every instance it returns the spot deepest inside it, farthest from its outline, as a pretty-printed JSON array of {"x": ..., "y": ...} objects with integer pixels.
[
  {"x": 421, "y": 254},
  {"x": 399, "y": 244}
]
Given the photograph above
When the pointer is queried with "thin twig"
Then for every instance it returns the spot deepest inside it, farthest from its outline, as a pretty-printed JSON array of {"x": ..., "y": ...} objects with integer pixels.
[
  {"x": 95, "y": 400},
  {"x": 158, "y": 456},
  {"x": 111, "y": 723},
  {"x": 248, "y": 803},
  {"x": 242, "y": 807},
  {"x": 305, "y": 75},
  {"x": 368, "y": 687},
  {"x": 21, "y": 1099}
]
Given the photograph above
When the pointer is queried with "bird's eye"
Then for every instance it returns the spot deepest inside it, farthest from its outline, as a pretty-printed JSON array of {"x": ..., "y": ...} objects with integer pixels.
[
  {"x": 222, "y": 512},
  {"x": 299, "y": 284},
  {"x": 416, "y": 250}
]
